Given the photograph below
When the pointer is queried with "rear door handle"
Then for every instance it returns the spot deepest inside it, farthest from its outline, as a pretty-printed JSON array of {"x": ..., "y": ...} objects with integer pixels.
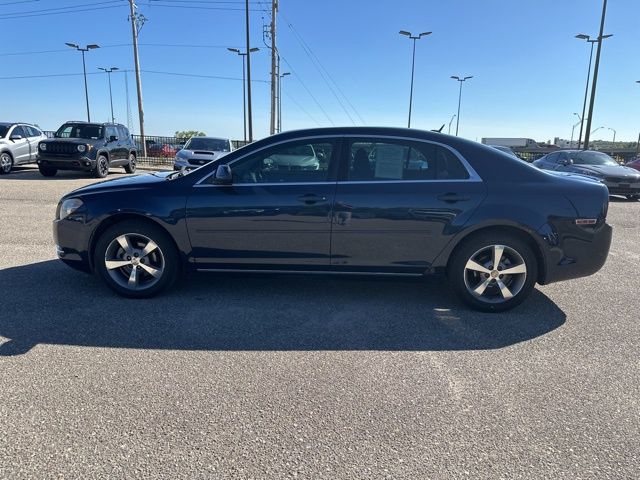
[
  {"x": 453, "y": 197},
  {"x": 311, "y": 198}
]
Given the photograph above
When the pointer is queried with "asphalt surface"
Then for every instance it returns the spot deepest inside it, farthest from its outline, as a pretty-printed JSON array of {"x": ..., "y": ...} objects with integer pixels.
[{"x": 249, "y": 376}]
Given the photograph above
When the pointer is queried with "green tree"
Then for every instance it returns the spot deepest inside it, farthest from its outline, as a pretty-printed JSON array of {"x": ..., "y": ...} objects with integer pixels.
[{"x": 189, "y": 134}]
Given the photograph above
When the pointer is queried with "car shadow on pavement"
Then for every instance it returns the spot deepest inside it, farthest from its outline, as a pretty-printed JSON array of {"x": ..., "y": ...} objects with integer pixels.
[
  {"x": 32, "y": 173},
  {"x": 48, "y": 303}
]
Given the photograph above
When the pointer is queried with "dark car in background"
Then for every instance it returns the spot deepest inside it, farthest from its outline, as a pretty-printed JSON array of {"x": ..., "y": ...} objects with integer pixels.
[
  {"x": 635, "y": 164},
  {"x": 619, "y": 179},
  {"x": 88, "y": 147},
  {"x": 494, "y": 225}
]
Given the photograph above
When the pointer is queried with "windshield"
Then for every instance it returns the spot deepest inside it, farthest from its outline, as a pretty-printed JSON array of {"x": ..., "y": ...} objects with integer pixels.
[
  {"x": 591, "y": 158},
  {"x": 80, "y": 130},
  {"x": 300, "y": 150},
  {"x": 208, "y": 144},
  {"x": 3, "y": 130}
]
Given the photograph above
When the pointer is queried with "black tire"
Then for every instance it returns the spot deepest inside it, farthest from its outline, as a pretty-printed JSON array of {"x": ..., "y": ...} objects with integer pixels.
[
  {"x": 516, "y": 252},
  {"x": 102, "y": 166},
  {"x": 131, "y": 166},
  {"x": 633, "y": 197},
  {"x": 164, "y": 258},
  {"x": 47, "y": 171},
  {"x": 6, "y": 163}
]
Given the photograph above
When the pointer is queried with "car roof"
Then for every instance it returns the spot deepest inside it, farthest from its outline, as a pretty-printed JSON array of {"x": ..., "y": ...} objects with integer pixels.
[
  {"x": 211, "y": 138},
  {"x": 80, "y": 122}
]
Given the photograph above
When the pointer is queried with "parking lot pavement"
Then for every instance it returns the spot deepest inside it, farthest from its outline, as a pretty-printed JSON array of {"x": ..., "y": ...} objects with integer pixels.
[{"x": 316, "y": 377}]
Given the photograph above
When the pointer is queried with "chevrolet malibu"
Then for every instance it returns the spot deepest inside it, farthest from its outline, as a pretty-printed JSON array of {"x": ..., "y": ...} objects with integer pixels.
[{"x": 380, "y": 201}]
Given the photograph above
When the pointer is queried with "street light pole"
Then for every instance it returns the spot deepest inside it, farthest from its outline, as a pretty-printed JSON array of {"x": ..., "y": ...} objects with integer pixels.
[
  {"x": 595, "y": 74},
  {"x": 614, "y": 133},
  {"x": 450, "y": 122},
  {"x": 108, "y": 71},
  {"x": 638, "y": 144},
  {"x": 461, "y": 80},
  {"x": 244, "y": 95},
  {"x": 84, "y": 71},
  {"x": 413, "y": 65},
  {"x": 282, "y": 75},
  {"x": 248, "y": 52}
]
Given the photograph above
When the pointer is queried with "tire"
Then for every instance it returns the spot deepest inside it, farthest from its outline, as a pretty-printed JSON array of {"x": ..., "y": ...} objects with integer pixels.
[
  {"x": 120, "y": 251},
  {"x": 47, "y": 171},
  {"x": 481, "y": 286},
  {"x": 633, "y": 197},
  {"x": 6, "y": 163},
  {"x": 102, "y": 167},
  {"x": 131, "y": 166}
]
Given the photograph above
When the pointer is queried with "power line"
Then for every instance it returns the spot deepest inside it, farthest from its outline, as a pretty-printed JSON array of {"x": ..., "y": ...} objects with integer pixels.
[
  {"x": 13, "y": 16},
  {"x": 308, "y": 91},
  {"x": 302, "y": 108},
  {"x": 323, "y": 71}
]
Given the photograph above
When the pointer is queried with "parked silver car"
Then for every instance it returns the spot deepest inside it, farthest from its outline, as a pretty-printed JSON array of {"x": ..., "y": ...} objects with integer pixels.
[
  {"x": 18, "y": 144},
  {"x": 201, "y": 150}
]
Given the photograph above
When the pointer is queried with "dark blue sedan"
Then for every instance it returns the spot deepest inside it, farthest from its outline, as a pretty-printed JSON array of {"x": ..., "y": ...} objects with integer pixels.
[
  {"x": 376, "y": 201},
  {"x": 620, "y": 180}
]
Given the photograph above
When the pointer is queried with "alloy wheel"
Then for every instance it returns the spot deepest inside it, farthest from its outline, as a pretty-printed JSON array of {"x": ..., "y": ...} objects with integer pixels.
[
  {"x": 103, "y": 166},
  {"x": 5, "y": 163},
  {"x": 495, "y": 274},
  {"x": 132, "y": 162},
  {"x": 134, "y": 261}
]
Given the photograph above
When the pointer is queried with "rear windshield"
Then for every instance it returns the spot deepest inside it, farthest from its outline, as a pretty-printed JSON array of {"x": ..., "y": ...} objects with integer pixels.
[
  {"x": 208, "y": 144},
  {"x": 591, "y": 158},
  {"x": 80, "y": 130}
]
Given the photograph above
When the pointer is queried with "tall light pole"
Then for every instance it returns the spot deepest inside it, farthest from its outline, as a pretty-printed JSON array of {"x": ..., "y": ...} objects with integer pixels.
[
  {"x": 450, "y": 122},
  {"x": 282, "y": 75},
  {"x": 244, "y": 95},
  {"x": 461, "y": 80},
  {"x": 595, "y": 75},
  {"x": 638, "y": 144},
  {"x": 614, "y": 133},
  {"x": 84, "y": 70},
  {"x": 108, "y": 71},
  {"x": 595, "y": 130},
  {"x": 413, "y": 65},
  {"x": 573, "y": 129},
  {"x": 582, "y": 36},
  {"x": 248, "y": 52}
]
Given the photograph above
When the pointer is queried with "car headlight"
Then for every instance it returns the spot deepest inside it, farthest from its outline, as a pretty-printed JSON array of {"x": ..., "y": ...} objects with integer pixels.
[
  {"x": 43, "y": 147},
  {"x": 82, "y": 148},
  {"x": 69, "y": 206}
]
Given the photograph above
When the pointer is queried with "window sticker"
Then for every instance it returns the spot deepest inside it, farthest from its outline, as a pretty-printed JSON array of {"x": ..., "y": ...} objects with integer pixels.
[{"x": 389, "y": 161}]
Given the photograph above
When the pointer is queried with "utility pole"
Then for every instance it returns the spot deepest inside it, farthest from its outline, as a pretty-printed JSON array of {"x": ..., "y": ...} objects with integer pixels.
[
  {"x": 595, "y": 76},
  {"x": 249, "y": 114},
  {"x": 274, "y": 67},
  {"x": 134, "y": 18}
]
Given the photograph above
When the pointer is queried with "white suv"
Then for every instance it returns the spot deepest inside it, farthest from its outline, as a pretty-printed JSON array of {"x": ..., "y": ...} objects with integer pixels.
[{"x": 18, "y": 144}]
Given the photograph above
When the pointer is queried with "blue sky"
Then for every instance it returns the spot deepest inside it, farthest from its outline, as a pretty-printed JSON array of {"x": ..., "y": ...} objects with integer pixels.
[{"x": 529, "y": 72}]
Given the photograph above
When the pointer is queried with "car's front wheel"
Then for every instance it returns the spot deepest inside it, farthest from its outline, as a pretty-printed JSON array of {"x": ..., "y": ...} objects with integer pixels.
[
  {"x": 493, "y": 272},
  {"x": 131, "y": 166},
  {"x": 102, "y": 167},
  {"x": 6, "y": 163},
  {"x": 136, "y": 260}
]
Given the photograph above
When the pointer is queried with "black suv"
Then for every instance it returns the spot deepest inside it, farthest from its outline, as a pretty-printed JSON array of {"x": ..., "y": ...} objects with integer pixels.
[{"x": 91, "y": 147}]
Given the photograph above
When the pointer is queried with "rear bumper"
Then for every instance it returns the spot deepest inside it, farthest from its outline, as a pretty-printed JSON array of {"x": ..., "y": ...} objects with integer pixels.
[
  {"x": 69, "y": 163},
  {"x": 577, "y": 252}
]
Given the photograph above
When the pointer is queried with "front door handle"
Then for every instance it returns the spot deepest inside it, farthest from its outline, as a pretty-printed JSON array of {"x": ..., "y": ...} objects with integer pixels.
[
  {"x": 311, "y": 199},
  {"x": 453, "y": 197}
]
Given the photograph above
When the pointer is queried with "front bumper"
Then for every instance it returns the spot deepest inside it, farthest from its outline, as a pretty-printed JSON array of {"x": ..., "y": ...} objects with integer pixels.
[
  {"x": 71, "y": 238},
  {"x": 67, "y": 163},
  {"x": 621, "y": 188}
]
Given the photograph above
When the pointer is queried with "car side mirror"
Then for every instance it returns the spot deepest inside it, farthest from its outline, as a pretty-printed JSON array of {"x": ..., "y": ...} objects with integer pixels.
[
  {"x": 113, "y": 138},
  {"x": 223, "y": 175},
  {"x": 16, "y": 137}
]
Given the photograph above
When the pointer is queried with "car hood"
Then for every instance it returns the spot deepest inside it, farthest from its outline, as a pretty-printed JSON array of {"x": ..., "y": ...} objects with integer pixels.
[
  {"x": 129, "y": 182},
  {"x": 572, "y": 175},
  {"x": 201, "y": 154},
  {"x": 609, "y": 170}
]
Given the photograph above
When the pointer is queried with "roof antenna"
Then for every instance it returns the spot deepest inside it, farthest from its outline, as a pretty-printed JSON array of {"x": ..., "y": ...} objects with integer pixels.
[{"x": 439, "y": 130}]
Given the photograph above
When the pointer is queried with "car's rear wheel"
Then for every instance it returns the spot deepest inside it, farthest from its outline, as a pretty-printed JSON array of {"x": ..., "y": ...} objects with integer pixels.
[
  {"x": 6, "y": 163},
  {"x": 136, "y": 260},
  {"x": 131, "y": 166},
  {"x": 47, "y": 171},
  {"x": 493, "y": 272},
  {"x": 102, "y": 167}
]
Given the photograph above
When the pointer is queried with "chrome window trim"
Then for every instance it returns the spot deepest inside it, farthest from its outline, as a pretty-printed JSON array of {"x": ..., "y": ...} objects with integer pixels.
[{"x": 473, "y": 175}]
